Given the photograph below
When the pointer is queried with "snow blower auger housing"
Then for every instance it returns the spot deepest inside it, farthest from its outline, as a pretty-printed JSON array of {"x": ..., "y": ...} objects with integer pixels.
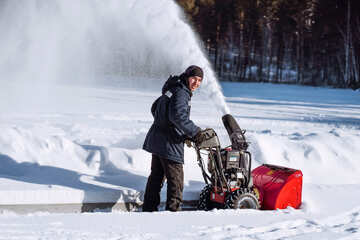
[{"x": 228, "y": 174}]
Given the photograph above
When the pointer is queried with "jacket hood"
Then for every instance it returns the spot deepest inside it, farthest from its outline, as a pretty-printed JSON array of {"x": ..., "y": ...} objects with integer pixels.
[{"x": 174, "y": 81}]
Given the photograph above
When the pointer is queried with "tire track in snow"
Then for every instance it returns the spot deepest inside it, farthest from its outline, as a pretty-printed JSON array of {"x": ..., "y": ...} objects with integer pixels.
[
  {"x": 344, "y": 226},
  {"x": 62, "y": 233}
]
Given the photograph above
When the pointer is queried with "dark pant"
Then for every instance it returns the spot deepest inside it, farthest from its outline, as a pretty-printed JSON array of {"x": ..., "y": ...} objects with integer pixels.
[{"x": 160, "y": 169}]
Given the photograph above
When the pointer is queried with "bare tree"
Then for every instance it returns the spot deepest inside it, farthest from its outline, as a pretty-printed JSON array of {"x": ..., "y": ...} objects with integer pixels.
[{"x": 347, "y": 46}]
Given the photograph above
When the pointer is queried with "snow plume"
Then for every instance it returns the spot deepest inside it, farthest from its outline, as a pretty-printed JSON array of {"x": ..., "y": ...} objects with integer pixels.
[{"x": 135, "y": 43}]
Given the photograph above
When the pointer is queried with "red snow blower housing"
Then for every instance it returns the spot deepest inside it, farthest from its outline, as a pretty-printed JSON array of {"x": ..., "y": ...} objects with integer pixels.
[
  {"x": 229, "y": 179},
  {"x": 279, "y": 187}
]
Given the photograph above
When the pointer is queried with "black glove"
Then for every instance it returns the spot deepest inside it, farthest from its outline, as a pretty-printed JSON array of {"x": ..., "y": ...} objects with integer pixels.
[
  {"x": 200, "y": 137},
  {"x": 188, "y": 143}
]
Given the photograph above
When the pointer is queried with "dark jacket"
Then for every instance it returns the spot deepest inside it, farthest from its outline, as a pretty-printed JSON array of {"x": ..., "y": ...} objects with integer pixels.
[{"x": 171, "y": 125}]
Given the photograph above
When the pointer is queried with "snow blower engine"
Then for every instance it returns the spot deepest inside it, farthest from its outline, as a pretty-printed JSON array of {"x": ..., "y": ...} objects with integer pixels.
[{"x": 228, "y": 176}]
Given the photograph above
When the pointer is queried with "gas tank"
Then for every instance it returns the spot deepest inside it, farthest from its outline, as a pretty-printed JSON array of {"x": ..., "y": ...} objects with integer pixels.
[{"x": 279, "y": 187}]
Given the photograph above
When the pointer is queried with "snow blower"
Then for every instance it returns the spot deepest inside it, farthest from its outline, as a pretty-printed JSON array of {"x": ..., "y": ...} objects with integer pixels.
[{"x": 228, "y": 177}]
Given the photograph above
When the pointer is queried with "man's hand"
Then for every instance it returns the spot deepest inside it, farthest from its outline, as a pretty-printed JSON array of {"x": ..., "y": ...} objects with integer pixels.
[
  {"x": 200, "y": 137},
  {"x": 188, "y": 143}
]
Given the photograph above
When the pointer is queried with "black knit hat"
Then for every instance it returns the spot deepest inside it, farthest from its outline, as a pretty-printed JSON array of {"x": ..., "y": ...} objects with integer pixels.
[{"x": 194, "y": 71}]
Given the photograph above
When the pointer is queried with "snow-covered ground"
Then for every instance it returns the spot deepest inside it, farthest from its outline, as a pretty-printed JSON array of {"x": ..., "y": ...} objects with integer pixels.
[
  {"x": 74, "y": 144},
  {"x": 71, "y": 129}
]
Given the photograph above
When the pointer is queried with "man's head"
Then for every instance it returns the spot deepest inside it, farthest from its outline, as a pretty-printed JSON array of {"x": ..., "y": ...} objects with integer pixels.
[{"x": 194, "y": 76}]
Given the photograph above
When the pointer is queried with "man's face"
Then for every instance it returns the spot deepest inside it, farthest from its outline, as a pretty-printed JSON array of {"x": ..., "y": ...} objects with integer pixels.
[{"x": 194, "y": 82}]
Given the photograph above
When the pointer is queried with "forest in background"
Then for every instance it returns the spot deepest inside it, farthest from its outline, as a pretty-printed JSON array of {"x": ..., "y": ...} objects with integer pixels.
[{"x": 310, "y": 42}]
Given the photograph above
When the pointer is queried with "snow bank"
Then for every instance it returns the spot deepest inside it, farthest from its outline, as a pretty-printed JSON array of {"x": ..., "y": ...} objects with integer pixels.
[
  {"x": 324, "y": 157},
  {"x": 19, "y": 146}
]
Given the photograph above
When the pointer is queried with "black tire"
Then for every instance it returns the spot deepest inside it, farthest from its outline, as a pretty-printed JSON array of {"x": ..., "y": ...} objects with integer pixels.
[
  {"x": 204, "y": 202},
  {"x": 241, "y": 199}
]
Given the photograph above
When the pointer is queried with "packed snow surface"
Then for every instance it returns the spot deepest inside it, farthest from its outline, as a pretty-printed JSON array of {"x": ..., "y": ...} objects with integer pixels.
[{"x": 75, "y": 144}]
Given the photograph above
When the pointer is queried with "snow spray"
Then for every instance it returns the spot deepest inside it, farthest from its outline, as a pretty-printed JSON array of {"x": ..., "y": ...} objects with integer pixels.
[{"x": 139, "y": 42}]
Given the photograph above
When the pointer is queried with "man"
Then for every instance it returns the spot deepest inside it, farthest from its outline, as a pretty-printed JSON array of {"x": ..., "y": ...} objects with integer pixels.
[{"x": 165, "y": 139}]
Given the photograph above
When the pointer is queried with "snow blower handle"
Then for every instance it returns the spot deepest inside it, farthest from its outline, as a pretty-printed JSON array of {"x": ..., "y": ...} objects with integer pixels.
[{"x": 206, "y": 138}]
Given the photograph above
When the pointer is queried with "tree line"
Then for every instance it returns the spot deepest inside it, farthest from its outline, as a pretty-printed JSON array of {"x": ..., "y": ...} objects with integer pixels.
[{"x": 311, "y": 42}]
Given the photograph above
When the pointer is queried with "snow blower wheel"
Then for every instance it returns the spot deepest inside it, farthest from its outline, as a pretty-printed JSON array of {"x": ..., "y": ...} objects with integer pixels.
[
  {"x": 240, "y": 200},
  {"x": 204, "y": 202}
]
